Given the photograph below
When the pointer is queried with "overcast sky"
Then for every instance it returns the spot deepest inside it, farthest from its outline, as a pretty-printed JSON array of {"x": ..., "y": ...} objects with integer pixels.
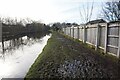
[{"x": 47, "y": 10}]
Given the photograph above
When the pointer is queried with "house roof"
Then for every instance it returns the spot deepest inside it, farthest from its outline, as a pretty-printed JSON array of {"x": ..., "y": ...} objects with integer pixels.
[{"x": 96, "y": 21}]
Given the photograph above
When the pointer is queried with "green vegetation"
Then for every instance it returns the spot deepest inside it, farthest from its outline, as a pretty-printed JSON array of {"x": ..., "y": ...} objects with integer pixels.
[{"x": 65, "y": 57}]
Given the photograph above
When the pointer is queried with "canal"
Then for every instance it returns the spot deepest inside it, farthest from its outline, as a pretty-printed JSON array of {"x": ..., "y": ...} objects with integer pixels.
[{"x": 18, "y": 54}]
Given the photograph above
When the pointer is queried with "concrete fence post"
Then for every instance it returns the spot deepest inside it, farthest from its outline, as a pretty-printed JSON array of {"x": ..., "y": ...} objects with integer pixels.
[
  {"x": 84, "y": 34},
  {"x": 106, "y": 37},
  {"x": 73, "y": 32},
  {"x": 78, "y": 32},
  {"x": 70, "y": 31},
  {"x": 118, "y": 53},
  {"x": 97, "y": 36}
]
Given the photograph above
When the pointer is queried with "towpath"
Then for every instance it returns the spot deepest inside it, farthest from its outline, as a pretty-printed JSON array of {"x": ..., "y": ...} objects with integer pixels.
[{"x": 64, "y": 57}]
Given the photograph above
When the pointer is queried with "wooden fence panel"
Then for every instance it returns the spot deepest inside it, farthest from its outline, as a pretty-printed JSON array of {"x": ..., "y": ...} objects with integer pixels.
[
  {"x": 105, "y": 36},
  {"x": 102, "y": 37},
  {"x": 118, "y": 53},
  {"x": 68, "y": 31},
  {"x": 75, "y": 32},
  {"x": 91, "y": 35},
  {"x": 63, "y": 29},
  {"x": 113, "y": 39},
  {"x": 81, "y": 34}
]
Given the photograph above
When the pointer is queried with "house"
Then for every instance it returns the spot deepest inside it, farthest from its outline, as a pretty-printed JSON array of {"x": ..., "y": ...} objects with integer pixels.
[{"x": 95, "y": 21}]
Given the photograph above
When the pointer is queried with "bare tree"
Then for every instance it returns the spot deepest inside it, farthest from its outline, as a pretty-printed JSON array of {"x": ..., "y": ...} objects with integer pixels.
[
  {"x": 111, "y": 10},
  {"x": 28, "y": 20},
  {"x": 86, "y": 11}
]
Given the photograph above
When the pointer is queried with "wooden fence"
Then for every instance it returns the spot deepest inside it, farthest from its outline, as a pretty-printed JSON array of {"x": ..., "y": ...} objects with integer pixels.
[{"x": 105, "y": 36}]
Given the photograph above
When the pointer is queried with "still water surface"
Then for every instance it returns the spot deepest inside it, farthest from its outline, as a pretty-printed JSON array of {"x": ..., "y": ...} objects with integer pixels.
[{"x": 19, "y": 54}]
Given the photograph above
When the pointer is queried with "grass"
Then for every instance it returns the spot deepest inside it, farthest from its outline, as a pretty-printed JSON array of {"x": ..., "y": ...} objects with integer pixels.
[
  {"x": 92, "y": 48},
  {"x": 61, "y": 48},
  {"x": 52, "y": 53}
]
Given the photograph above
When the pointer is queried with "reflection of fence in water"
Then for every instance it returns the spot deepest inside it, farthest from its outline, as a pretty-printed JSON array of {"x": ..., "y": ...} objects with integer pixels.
[
  {"x": 103, "y": 35},
  {"x": 0, "y": 32},
  {"x": 1, "y": 51}
]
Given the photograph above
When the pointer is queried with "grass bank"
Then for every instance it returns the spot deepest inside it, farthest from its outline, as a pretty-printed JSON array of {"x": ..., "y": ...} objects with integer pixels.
[{"x": 63, "y": 57}]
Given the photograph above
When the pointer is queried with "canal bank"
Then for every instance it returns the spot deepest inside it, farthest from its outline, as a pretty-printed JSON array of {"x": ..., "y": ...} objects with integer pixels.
[{"x": 64, "y": 57}]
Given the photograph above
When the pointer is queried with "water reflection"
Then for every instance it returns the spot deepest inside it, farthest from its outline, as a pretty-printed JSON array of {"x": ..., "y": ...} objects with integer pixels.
[
  {"x": 10, "y": 44},
  {"x": 17, "y": 54}
]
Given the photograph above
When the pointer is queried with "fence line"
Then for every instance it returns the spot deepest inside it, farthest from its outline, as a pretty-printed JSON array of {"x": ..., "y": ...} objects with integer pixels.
[{"x": 105, "y": 36}]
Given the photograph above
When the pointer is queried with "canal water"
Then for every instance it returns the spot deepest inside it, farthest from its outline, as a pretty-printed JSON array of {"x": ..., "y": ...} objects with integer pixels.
[{"x": 18, "y": 54}]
